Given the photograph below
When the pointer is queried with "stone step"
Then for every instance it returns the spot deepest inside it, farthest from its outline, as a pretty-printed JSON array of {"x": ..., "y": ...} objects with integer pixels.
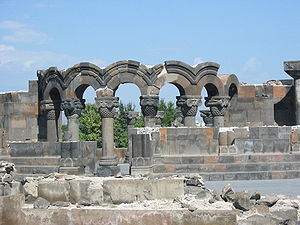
[
  {"x": 261, "y": 175},
  {"x": 243, "y": 175},
  {"x": 44, "y": 161},
  {"x": 227, "y": 167},
  {"x": 36, "y": 169},
  {"x": 71, "y": 170},
  {"x": 242, "y": 158}
]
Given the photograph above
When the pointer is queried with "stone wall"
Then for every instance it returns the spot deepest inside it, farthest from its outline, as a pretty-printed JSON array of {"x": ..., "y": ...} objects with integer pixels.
[
  {"x": 19, "y": 114},
  {"x": 264, "y": 104}
]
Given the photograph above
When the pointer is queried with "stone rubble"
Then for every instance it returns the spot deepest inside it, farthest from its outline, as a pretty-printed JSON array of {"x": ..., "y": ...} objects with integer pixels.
[{"x": 62, "y": 190}]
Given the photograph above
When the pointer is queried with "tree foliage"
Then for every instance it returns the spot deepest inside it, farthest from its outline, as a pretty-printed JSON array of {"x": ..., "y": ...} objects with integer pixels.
[
  {"x": 90, "y": 125},
  {"x": 169, "y": 109},
  {"x": 90, "y": 122}
]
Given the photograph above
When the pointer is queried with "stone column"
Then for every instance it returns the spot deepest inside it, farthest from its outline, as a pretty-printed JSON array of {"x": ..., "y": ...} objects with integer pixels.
[
  {"x": 207, "y": 117},
  {"x": 149, "y": 104},
  {"x": 189, "y": 106},
  {"x": 48, "y": 107},
  {"x": 107, "y": 108},
  {"x": 218, "y": 106},
  {"x": 292, "y": 68},
  {"x": 72, "y": 108}
]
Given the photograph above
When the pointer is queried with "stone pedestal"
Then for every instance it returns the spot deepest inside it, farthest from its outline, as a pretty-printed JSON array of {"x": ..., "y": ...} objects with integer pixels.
[
  {"x": 50, "y": 107},
  {"x": 107, "y": 112},
  {"x": 218, "y": 106},
  {"x": 149, "y": 104},
  {"x": 293, "y": 69},
  {"x": 189, "y": 106},
  {"x": 72, "y": 109},
  {"x": 207, "y": 117}
]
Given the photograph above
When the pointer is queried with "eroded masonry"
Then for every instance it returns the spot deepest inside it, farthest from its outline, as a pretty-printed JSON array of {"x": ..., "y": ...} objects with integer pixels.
[{"x": 250, "y": 132}]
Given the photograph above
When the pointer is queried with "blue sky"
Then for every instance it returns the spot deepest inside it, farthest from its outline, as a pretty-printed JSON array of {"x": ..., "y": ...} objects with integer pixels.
[{"x": 248, "y": 38}]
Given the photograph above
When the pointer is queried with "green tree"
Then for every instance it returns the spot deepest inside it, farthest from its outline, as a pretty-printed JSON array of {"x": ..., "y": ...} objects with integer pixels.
[
  {"x": 120, "y": 125},
  {"x": 90, "y": 122},
  {"x": 170, "y": 112},
  {"x": 90, "y": 125}
]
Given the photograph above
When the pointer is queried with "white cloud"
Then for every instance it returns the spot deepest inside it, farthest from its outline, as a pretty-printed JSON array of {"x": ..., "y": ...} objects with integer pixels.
[
  {"x": 19, "y": 60},
  {"x": 23, "y": 33},
  {"x": 252, "y": 65},
  {"x": 7, "y": 48},
  {"x": 197, "y": 60}
]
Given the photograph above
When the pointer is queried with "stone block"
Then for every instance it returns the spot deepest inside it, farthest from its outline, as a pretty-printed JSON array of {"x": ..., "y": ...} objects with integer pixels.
[
  {"x": 213, "y": 147},
  {"x": 254, "y": 132},
  {"x": 253, "y": 115},
  {"x": 124, "y": 168},
  {"x": 282, "y": 146},
  {"x": 268, "y": 145},
  {"x": 78, "y": 191},
  {"x": 257, "y": 146},
  {"x": 223, "y": 138},
  {"x": 238, "y": 115},
  {"x": 54, "y": 191},
  {"x": 248, "y": 146},
  {"x": 246, "y": 91},
  {"x": 163, "y": 134},
  {"x": 223, "y": 149},
  {"x": 268, "y": 133},
  {"x": 241, "y": 132},
  {"x": 279, "y": 91},
  {"x": 106, "y": 171},
  {"x": 127, "y": 191}
]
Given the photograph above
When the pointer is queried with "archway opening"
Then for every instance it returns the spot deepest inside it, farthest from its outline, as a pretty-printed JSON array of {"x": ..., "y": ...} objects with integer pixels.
[
  {"x": 56, "y": 98},
  {"x": 233, "y": 91},
  {"x": 207, "y": 92},
  {"x": 129, "y": 99},
  {"x": 167, "y": 104}
]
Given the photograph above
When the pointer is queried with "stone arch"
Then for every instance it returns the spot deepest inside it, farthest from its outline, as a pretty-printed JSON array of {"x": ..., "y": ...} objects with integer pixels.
[
  {"x": 213, "y": 83},
  {"x": 177, "y": 80},
  {"x": 124, "y": 78},
  {"x": 53, "y": 84},
  {"x": 79, "y": 84},
  {"x": 231, "y": 84}
]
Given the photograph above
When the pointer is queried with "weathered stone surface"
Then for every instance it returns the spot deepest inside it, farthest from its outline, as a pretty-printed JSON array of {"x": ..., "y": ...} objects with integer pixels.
[
  {"x": 242, "y": 200},
  {"x": 61, "y": 204},
  {"x": 126, "y": 191},
  {"x": 41, "y": 203},
  {"x": 227, "y": 193},
  {"x": 54, "y": 190},
  {"x": 269, "y": 200}
]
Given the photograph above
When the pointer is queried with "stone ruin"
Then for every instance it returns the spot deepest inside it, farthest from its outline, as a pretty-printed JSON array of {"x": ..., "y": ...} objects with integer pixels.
[{"x": 251, "y": 132}]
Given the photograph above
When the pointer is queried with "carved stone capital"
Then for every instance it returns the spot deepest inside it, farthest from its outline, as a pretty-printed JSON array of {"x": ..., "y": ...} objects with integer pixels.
[
  {"x": 72, "y": 106},
  {"x": 107, "y": 106},
  {"x": 188, "y": 104},
  {"x": 217, "y": 104},
  {"x": 49, "y": 107},
  {"x": 131, "y": 117},
  {"x": 292, "y": 68},
  {"x": 149, "y": 104},
  {"x": 207, "y": 117},
  {"x": 159, "y": 117}
]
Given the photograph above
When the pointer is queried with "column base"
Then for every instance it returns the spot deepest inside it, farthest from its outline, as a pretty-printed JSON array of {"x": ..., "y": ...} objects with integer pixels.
[
  {"x": 108, "y": 161},
  {"x": 107, "y": 171}
]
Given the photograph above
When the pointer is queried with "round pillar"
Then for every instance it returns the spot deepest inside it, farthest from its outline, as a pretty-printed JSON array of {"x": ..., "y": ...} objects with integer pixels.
[
  {"x": 218, "y": 106},
  {"x": 107, "y": 112}
]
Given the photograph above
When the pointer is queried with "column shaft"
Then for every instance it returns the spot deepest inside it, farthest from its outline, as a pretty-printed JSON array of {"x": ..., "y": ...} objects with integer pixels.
[{"x": 297, "y": 100}]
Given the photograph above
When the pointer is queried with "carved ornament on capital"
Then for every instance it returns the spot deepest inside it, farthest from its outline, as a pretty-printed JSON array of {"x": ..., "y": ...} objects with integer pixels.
[
  {"x": 107, "y": 106},
  {"x": 49, "y": 107},
  {"x": 188, "y": 104},
  {"x": 72, "y": 106},
  {"x": 207, "y": 117},
  {"x": 131, "y": 117},
  {"x": 149, "y": 104},
  {"x": 217, "y": 104}
]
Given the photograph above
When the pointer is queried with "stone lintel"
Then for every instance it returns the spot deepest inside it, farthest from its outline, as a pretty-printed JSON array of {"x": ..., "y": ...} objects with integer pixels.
[{"x": 292, "y": 68}]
